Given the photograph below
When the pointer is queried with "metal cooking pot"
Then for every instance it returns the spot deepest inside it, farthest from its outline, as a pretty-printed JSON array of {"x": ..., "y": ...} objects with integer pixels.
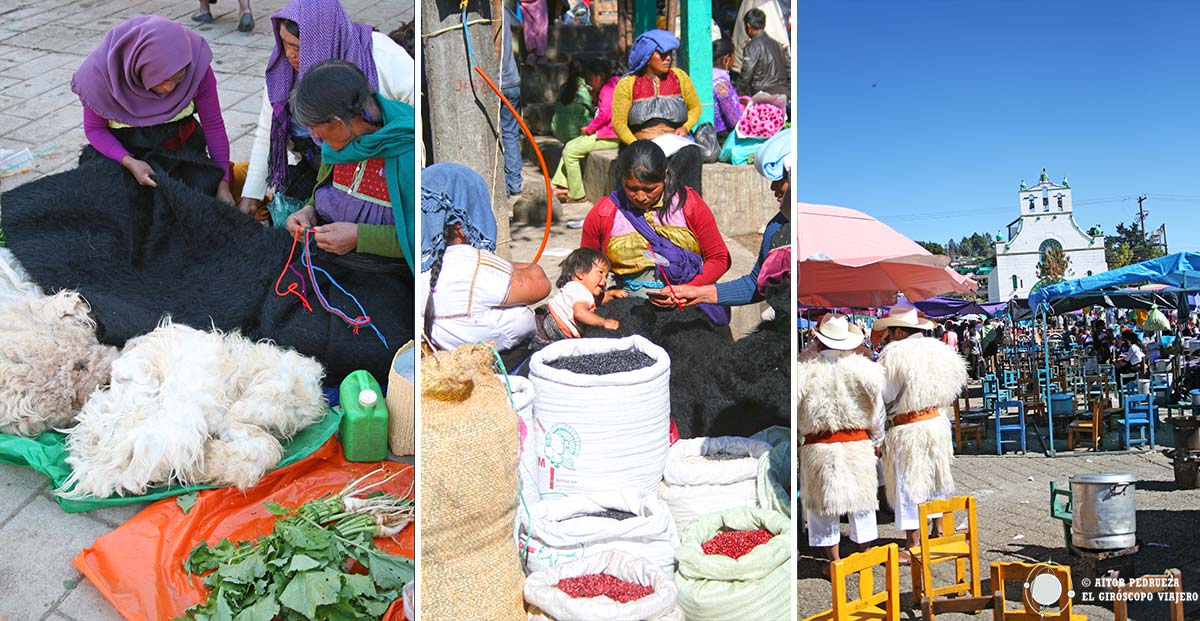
[{"x": 1105, "y": 515}]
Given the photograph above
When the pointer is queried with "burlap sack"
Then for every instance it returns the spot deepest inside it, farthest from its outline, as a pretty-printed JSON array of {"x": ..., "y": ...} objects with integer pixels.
[
  {"x": 469, "y": 564},
  {"x": 401, "y": 405}
]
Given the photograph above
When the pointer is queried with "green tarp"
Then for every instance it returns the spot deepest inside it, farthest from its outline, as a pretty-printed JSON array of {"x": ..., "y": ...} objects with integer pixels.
[{"x": 47, "y": 454}]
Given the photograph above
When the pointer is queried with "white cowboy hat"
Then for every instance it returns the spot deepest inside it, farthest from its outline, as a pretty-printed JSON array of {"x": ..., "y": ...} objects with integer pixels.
[
  {"x": 902, "y": 317},
  {"x": 836, "y": 332}
]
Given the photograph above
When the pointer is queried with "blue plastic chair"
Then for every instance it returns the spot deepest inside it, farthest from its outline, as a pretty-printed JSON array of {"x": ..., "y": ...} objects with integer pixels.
[
  {"x": 991, "y": 391},
  {"x": 1139, "y": 412},
  {"x": 1010, "y": 378},
  {"x": 1002, "y": 411}
]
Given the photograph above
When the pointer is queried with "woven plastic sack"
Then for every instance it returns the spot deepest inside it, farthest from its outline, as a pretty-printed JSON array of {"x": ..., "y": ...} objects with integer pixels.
[
  {"x": 756, "y": 587},
  {"x": 600, "y": 432},
  {"x": 550, "y": 602},
  {"x": 138, "y": 567},
  {"x": 774, "y": 470},
  {"x": 1156, "y": 321},
  {"x": 562, "y": 529},
  {"x": 468, "y": 474},
  {"x": 694, "y": 484},
  {"x": 401, "y": 402},
  {"x": 521, "y": 393}
]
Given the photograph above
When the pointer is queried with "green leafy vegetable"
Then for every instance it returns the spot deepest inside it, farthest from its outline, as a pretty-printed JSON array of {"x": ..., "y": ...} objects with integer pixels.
[{"x": 185, "y": 501}]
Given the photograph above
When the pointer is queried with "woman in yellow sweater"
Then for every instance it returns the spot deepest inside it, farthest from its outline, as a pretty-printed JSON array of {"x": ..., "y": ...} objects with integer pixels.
[{"x": 656, "y": 101}]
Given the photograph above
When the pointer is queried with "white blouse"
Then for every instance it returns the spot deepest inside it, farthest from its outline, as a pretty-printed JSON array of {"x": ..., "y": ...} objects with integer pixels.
[{"x": 468, "y": 304}]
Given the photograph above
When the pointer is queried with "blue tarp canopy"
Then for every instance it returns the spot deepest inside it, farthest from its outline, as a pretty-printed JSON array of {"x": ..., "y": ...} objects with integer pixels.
[
  {"x": 1180, "y": 271},
  {"x": 940, "y": 307}
]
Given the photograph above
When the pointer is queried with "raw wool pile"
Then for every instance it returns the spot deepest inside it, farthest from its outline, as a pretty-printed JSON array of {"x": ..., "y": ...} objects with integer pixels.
[
  {"x": 468, "y": 478},
  {"x": 186, "y": 407},
  {"x": 718, "y": 387},
  {"x": 694, "y": 483},
  {"x": 14, "y": 280},
  {"x": 50, "y": 360},
  {"x": 549, "y": 602},
  {"x": 569, "y": 527}
]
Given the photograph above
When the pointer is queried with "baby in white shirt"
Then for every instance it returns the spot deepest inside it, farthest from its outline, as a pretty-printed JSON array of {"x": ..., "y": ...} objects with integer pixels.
[{"x": 581, "y": 284}]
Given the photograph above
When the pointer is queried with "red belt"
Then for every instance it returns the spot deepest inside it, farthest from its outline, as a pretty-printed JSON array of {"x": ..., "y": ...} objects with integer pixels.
[
  {"x": 915, "y": 417},
  {"x": 845, "y": 435},
  {"x": 186, "y": 129}
]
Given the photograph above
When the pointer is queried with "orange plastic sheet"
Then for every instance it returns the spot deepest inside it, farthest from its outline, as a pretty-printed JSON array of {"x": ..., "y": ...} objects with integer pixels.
[{"x": 139, "y": 566}]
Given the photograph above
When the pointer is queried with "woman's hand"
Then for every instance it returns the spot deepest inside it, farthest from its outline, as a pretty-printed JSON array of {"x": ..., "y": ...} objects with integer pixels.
[
  {"x": 249, "y": 206},
  {"x": 661, "y": 298},
  {"x": 337, "y": 237},
  {"x": 141, "y": 171},
  {"x": 611, "y": 324},
  {"x": 691, "y": 295},
  {"x": 583, "y": 131},
  {"x": 224, "y": 194},
  {"x": 682, "y": 131},
  {"x": 306, "y": 218}
]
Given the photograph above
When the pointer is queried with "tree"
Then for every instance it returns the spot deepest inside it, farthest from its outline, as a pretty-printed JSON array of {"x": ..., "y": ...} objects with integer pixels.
[
  {"x": 932, "y": 247},
  {"x": 1053, "y": 266},
  {"x": 1127, "y": 247}
]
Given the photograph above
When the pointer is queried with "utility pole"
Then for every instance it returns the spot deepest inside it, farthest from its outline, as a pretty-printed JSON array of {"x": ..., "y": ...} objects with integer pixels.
[
  {"x": 463, "y": 110},
  {"x": 1142, "y": 218}
]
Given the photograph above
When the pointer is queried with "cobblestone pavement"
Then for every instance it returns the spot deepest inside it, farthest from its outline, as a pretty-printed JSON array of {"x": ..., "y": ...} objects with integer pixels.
[
  {"x": 1013, "y": 503},
  {"x": 42, "y": 42}
]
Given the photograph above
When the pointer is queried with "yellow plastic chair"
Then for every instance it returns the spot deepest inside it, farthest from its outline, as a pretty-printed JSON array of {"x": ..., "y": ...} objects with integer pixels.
[
  {"x": 960, "y": 548},
  {"x": 1019, "y": 573},
  {"x": 867, "y": 605}
]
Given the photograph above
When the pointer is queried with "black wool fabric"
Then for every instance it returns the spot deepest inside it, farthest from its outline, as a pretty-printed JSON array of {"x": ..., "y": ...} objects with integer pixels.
[{"x": 138, "y": 254}]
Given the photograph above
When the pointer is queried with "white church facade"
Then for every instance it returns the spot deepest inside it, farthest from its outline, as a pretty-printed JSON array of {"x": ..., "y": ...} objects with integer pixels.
[{"x": 1046, "y": 220}]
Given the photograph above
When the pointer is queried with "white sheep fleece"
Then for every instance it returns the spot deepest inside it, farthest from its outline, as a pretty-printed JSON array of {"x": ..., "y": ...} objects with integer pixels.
[
  {"x": 50, "y": 360},
  {"x": 187, "y": 406},
  {"x": 932, "y": 375}
]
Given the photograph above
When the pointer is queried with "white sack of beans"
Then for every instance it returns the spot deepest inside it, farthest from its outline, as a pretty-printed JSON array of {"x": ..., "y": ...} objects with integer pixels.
[
  {"x": 606, "y": 431},
  {"x": 522, "y": 398},
  {"x": 705, "y": 475},
  {"x": 408, "y": 593},
  {"x": 633, "y": 522},
  {"x": 549, "y": 603}
]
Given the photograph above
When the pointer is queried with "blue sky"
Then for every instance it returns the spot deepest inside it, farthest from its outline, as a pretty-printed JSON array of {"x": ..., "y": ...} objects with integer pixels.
[{"x": 929, "y": 114}]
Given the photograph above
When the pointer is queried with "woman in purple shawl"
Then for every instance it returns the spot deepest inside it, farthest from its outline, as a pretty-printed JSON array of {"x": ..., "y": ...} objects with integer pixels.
[
  {"x": 141, "y": 90},
  {"x": 284, "y": 156}
]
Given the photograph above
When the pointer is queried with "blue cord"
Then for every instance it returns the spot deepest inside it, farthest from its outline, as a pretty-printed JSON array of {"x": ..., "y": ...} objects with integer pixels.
[
  {"x": 306, "y": 260},
  {"x": 467, "y": 36}
]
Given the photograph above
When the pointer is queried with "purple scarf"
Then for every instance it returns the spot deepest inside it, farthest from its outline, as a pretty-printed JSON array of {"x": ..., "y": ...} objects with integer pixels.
[
  {"x": 684, "y": 264},
  {"x": 325, "y": 32},
  {"x": 114, "y": 80}
]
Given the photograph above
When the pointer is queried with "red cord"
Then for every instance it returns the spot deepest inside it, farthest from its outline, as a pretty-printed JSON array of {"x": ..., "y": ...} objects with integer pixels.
[{"x": 292, "y": 287}]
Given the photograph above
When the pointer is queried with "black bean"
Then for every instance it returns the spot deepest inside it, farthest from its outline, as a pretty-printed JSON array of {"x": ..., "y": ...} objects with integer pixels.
[
  {"x": 725, "y": 456},
  {"x": 611, "y": 514},
  {"x": 617, "y": 361}
]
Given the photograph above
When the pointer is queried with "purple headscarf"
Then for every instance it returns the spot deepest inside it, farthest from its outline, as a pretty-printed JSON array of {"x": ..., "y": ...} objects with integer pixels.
[
  {"x": 115, "y": 80},
  {"x": 325, "y": 32}
]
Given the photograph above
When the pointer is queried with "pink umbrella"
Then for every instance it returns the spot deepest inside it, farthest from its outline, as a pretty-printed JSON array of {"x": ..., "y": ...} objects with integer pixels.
[{"x": 847, "y": 258}]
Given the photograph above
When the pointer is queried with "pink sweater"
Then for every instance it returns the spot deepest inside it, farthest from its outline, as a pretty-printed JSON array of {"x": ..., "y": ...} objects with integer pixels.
[
  {"x": 602, "y": 124},
  {"x": 95, "y": 127}
]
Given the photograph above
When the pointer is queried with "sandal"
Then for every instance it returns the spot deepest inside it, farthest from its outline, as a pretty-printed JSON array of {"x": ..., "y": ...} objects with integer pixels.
[{"x": 246, "y": 23}]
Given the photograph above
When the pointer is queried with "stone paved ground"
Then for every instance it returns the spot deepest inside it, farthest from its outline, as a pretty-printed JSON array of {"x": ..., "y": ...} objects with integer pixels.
[
  {"x": 1013, "y": 503},
  {"x": 41, "y": 44}
]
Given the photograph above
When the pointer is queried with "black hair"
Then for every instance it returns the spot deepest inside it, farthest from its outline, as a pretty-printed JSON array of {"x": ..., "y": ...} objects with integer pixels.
[
  {"x": 292, "y": 27},
  {"x": 570, "y": 88},
  {"x": 580, "y": 261},
  {"x": 601, "y": 67},
  {"x": 331, "y": 89},
  {"x": 405, "y": 36},
  {"x": 721, "y": 48},
  {"x": 645, "y": 161},
  {"x": 756, "y": 19}
]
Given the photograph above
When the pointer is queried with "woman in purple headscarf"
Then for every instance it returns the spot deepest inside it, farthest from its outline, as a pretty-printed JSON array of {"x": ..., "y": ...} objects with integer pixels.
[
  {"x": 307, "y": 32},
  {"x": 141, "y": 90}
]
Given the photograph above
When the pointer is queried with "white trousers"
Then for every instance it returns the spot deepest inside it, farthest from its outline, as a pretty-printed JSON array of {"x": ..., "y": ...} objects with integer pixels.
[
  {"x": 908, "y": 516},
  {"x": 825, "y": 530}
]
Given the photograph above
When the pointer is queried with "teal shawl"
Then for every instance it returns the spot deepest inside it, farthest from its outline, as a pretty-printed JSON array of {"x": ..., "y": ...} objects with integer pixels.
[{"x": 394, "y": 143}]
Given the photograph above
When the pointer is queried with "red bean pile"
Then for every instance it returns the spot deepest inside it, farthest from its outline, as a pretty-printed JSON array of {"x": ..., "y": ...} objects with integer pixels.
[
  {"x": 612, "y": 587},
  {"x": 736, "y": 543}
]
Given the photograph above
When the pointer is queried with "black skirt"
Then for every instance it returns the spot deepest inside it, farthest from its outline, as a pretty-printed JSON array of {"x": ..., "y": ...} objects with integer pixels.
[{"x": 176, "y": 149}]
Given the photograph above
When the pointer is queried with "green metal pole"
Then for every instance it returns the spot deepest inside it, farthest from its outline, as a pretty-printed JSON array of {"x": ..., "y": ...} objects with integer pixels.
[
  {"x": 645, "y": 16},
  {"x": 696, "y": 49}
]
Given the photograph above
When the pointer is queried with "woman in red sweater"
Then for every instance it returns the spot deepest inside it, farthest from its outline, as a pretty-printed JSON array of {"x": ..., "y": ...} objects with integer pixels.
[
  {"x": 141, "y": 90},
  {"x": 653, "y": 211}
]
